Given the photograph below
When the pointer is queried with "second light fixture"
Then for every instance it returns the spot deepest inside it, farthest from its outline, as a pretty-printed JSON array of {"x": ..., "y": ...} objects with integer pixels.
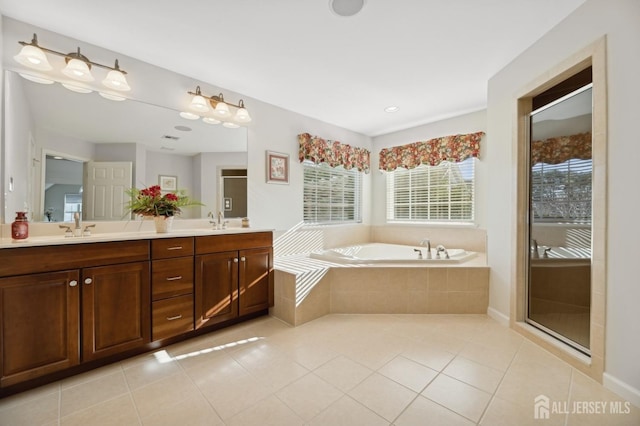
[{"x": 202, "y": 105}]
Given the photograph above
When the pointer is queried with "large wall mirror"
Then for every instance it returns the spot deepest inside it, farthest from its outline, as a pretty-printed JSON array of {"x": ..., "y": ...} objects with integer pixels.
[
  {"x": 53, "y": 137},
  {"x": 560, "y": 212}
]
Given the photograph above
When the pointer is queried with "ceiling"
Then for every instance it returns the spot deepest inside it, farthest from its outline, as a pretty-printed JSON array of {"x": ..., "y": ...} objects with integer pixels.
[{"x": 431, "y": 58}]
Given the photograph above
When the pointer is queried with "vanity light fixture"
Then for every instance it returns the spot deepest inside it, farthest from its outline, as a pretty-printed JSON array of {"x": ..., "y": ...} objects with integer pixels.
[
  {"x": 215, "y": 110},
  {"x": 78, "y": 67}
]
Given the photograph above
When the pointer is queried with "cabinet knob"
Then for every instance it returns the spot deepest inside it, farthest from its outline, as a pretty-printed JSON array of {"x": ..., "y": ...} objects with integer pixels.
[
  {"x": 235, "y": 260},
  {"x": 88, "y": 281},
  {"x": 243, "y": 258},
  {"x": 73, "y": 283}
]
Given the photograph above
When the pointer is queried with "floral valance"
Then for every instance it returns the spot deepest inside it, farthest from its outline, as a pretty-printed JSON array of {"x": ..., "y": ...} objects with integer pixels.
[
  {"x": 333, "y": 153},
  {"x": 560, "y": 149},
  {"x": 432, "y": 152}
]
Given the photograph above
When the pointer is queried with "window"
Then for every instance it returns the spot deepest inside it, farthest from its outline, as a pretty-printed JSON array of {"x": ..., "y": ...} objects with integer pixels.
[
  {"x": 442, "y": 193},
  {"x": 562, "y": 192},
  {"x": 331, "y": 194}
]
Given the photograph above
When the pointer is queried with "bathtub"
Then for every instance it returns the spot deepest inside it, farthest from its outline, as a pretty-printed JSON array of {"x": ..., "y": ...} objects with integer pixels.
[{"x": 374, "y": 253}]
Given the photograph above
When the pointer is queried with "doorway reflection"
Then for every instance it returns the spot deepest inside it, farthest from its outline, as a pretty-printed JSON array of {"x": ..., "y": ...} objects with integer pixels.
[{"x": 560, "y": 201}]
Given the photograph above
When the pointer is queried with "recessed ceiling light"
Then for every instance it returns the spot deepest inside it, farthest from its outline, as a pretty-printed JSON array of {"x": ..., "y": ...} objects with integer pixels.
[
  {"x": 183, "y": 128},
  {"x": 346, "y": 7},
  {"x": 391, "y": 108}
]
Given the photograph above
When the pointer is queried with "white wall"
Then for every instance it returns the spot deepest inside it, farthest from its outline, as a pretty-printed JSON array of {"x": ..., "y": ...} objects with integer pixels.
[{"x": 619, "y": 20}]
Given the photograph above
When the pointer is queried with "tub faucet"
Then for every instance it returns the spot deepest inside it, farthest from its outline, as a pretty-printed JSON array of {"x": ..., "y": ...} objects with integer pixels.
[
  {"x": 441, "y": 249},
  {"x": 426, "y": 242}
]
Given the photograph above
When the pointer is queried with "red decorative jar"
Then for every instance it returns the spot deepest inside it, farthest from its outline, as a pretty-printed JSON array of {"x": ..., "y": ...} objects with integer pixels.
[{"x": 20, "y": 228}]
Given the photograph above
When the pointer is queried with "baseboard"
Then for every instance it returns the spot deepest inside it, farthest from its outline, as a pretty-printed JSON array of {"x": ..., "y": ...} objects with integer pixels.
[
  {"x": 498, "y": 316},
  {"x": 623, "y": 389}
]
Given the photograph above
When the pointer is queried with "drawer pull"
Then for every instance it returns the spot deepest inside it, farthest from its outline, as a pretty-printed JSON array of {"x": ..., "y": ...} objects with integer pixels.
[
  {"x": 175, "y": 248},
  {"x": 174, "y": 318},
  {"x": 73, "y": 283},
  {"x": 179, "y": 277}
]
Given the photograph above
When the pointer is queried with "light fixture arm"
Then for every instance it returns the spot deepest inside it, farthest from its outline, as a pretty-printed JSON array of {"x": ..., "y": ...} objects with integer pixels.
[
  {"x": 69, "y": 56},
  {"x": 214, "y": 100}
]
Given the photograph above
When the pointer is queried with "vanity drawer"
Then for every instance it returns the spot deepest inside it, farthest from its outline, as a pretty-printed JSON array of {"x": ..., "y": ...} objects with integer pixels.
[
  {"x": 171, "y": 277},
  {"x": 172, "y": 317},
  {"x": 164, "y": 248}
]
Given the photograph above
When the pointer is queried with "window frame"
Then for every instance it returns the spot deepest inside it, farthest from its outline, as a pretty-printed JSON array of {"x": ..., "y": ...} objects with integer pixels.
[
  {"x": 323, "y": 212},
  {"x": 414, "y": 174}
]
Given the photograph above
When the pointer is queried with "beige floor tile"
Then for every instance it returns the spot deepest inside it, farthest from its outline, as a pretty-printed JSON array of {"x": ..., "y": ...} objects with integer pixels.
[
  {"x": 310, "y": 356},
  {"x": 522, "y": 384},
  {"x": 383, "y": 396},
  {"x": 458, "y": 396},
  {"x": 194, "y": 411},
  {"x": 343, "y": 373},
  {"x": 424, "y": 412},
  {"x": 496, "y": 358},
  {"x": 218, "y": 371},
  {"x": 90, "y": 393},
  {"x": 501, "y": 412},
  {"x": 33, "y": 394},
  {"x": 429, "y": 355},
  {"x": 309, "y": 395},
  {"x": 119, "y": 411},
  {"x": 190, "y": 356},
  {"x": 235, "y": 396},
  {"x": 474, "y": 374},
  {"x": 348, "y": 412},
  {"x": 443, "y": 341},
  {"x": 156, "y": 396},
  {"x": 408, "y": 373},
  {"x": 34, "y": 411},
  {"x": 278, "y": 373},
  {"x": 268, "y": 412},
  {"x": 149, "y": 371},
  {"x": 90, "y": 375}
]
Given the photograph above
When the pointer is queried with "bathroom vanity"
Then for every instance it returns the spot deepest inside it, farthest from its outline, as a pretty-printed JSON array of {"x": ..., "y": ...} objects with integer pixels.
[{"x": 70, "y": 307}]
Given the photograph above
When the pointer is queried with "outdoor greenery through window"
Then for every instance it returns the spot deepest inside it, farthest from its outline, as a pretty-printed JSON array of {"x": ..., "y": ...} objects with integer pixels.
[
  {"x": 331, "y": 194},
  {"x": 442, "y": 193},
  {"x": 562, "y": 192}
]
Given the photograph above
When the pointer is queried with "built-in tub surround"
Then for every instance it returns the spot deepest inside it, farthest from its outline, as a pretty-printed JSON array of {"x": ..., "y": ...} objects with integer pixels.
[
  {"x": 381, "y": 253},
  {"x": 308, "y": 288}
]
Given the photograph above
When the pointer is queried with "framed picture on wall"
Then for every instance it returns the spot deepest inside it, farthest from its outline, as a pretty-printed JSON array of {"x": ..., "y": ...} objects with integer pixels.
[
  {"x": 277, "y": 167},
  {"x": 168, "y": 183}
]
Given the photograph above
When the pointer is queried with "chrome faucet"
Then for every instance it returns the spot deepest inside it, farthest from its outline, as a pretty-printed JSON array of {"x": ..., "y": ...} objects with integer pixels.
[
  {"x": 78, "y": 229},
  {"x": 426, "y": 242}
]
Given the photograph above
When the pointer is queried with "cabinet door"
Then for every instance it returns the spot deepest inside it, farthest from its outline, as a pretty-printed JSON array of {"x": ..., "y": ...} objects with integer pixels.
[
  {"x": 255, "y": 280},
  {"x": 216, "y": 298},
  {"x": 39, "y": 327},
  {"x": 115, "y": 309}
]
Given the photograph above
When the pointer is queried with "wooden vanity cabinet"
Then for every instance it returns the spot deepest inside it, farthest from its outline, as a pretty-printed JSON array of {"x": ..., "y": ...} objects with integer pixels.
[
  {"x": 171, "y": 287},
  {"x": 115, "y": 309},
  {"x": 233, "y": 276},
  {"x": 69, "y": 304},
  {"x": 39, "y": 325}
]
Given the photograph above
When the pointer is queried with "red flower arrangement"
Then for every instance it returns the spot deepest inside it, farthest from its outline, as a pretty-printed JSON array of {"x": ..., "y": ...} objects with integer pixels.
[{"x": 152, "y": 202}]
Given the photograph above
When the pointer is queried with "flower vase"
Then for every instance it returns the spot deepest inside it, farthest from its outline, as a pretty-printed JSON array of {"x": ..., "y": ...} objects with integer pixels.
[{"x": 163, "y": 224}]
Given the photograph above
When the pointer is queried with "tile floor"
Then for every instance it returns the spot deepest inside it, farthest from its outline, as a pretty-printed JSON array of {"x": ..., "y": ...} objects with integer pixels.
[{"x": 337, "y": 370}]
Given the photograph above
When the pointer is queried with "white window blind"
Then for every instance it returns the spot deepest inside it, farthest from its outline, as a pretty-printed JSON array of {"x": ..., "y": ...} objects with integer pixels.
[
  {"x": 331, "y": 194},
  {"x": 442, "y": 193},
  {"x": 562, "y": 192}
]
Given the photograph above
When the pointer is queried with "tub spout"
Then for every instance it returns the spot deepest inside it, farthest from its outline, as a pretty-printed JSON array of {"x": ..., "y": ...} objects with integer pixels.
[{"x": 441, "y": 249}]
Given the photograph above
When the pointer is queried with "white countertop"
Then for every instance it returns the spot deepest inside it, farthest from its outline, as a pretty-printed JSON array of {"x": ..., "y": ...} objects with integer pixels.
[{"x": 60, "y": 239}]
